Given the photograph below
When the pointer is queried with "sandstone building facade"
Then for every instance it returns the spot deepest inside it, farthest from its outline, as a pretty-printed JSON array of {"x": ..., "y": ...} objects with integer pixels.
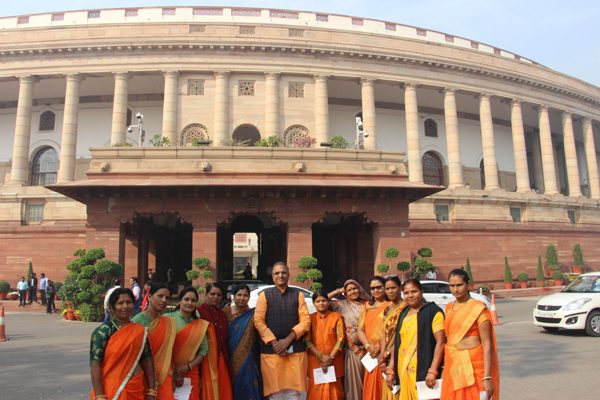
[{"x": 459, "y": 133}]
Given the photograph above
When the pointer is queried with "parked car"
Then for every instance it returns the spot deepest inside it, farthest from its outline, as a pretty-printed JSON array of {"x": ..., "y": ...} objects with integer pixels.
[
  {"x": 230, "y": 284},
  {"x": 577, "y": 306},
  {"x": 439, "y": 292},
  {"x": 254, "y": 293}
]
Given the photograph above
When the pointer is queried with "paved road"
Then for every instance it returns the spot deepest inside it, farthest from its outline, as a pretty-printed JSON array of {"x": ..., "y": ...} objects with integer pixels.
[{"x": 47, "y": 358}]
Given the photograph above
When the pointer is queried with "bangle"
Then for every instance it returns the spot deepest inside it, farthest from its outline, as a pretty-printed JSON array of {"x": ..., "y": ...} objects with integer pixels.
[
  {"x": 190, "y": 367},
  {"x": 389, "y": 371},
  {"x": 486, "y": 378},
  {"x": 433, "y": 371}
]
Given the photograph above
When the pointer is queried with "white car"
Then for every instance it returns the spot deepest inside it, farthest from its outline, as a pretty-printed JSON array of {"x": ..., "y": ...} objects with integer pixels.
[
  {"x": 439, "y": 292},
  {"x": 254, "y": 293},
  {"x": 577, "y": 306}
]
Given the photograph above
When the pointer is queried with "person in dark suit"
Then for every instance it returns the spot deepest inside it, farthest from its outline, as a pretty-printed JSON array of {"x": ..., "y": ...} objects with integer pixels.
[{"x": 33, "y": 283}]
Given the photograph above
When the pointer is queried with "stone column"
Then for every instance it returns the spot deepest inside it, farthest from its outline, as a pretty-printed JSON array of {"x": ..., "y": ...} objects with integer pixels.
[
  {"x": 169, "y": 128},
  {"x": 518, "y": 134},
  {"x": 299, "y": 241},
  {"x": 590, "y": 153},
  {"x": 415, "y": 164},
  {"x": 368, "y": 112},
  {"x": 119, "y": 116},
  {"x": 571, "y": 155},
  {"x": 547, "y": 148},
  {"x": 536, "y": 154},
  {"x": 221, "y": 108},
  {"x": 272, "y": 105},
  {"x": 452, "y": 139},
  {"x": 321, "y": 109},
  {"x": 20, "y": 161},
  {"x": 68, "y": 148},
  {"x": 487, "y": 141}
]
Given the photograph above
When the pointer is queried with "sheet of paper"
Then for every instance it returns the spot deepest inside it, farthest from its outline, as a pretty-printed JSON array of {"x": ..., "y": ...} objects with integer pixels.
[
  {"x": 183, "y": 393},
  {"x": 321, "y": 377},
  {"x": 483, "y": 396},
  {"x": 368, "y": 362},
  {"x": 426, "y": 393},
  {"x": 291, "y": 349},
  {"x": 396, "y": 389}
]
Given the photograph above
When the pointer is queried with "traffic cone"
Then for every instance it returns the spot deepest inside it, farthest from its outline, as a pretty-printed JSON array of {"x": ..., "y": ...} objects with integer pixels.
[
  {"x": 2, "y": 332},
  {"x": 493, "y": 311}
]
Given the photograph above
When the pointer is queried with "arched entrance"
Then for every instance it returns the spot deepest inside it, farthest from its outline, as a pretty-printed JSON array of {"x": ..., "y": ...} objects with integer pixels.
[
  {"x": 267, "y": 245},
  {"x": 246, "y": 133},
  {"x": 433, "y": 173}
]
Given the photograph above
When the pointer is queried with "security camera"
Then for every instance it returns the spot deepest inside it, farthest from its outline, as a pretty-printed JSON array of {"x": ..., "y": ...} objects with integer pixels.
[
  {"x": 129, "y": 130},
  {"x": 138, "y": 115},
  {"x": 366, "y": 134},
  {"x": 359, "y": 123}
]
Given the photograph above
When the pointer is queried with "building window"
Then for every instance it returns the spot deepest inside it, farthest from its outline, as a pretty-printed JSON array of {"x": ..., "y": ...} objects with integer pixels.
[
  {"x": 421, "y": 32},
  {"x": 515, "y": 213},
  {"x": 433, "y": 173},
  {"x": 247, "y": 30},
  {"x": 294, "y": 132},
  {"x": 23, "y": 20},
  {"x": 357, "y": 22},
  {"x": 497, "y": 52},
  {"x": 197, "y": 28},
  {"x": 296, "y": 32},
  {"x": 449, "y": 39},
  {"x": 475, "y": 45},
  {"x": 194, "y": 131},
  {"x": 131, "y": 13},
  {"x": 571, "y": 214},
  {"x": 47, "y": 121},
  {"x": 45, "y": 166},
  {"x": 241, "y": 12},
  {"x": 168, "y": 11},
  {"x": 246, "y": 88},
  {"x": 58, "y": 17},
  {"x": 284, "y": 14},
  {"x": 129, "y": 118},
  {"x": 431, "y": 128},
  {"x": 390, "y": 27},
  {"x": 442, "y": 213},
  {"x": 296, "y": 89},
  {"x": 208, "y": 11},
  {"x": 93, "y": 14},
  {"x": 322, "y": 17},
  {"x": 35, "y": 213},
  {"x": 195, "y": 87}
]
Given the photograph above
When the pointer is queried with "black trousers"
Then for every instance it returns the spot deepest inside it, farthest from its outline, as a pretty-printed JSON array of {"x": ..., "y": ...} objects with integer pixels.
[
  {"x": 43, "y": 296},
  {"x": 32, "y": 295},
  {"x": 22, "y": 297},
  {"x": 50, "y": 304}
]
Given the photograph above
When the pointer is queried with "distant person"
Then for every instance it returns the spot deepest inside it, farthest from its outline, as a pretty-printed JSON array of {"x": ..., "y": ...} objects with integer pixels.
[
  {"x": 467, "y": 185},
  {"x": 137, "y": 294},
  {"x": 151, "y": 277},
  {"x": 431, "y": 275},
  {"x": 116, "y": 284},
  {"x": 43, "y": 283},
  {"x": 33, "y": 283},
  {"x": 171, "y": 282},
  {"x": 49, "y": 295},
  {"x": 247, "y": 272},
  {"x": 147, "y": 287},
  {"x": 22, "y": 287}
]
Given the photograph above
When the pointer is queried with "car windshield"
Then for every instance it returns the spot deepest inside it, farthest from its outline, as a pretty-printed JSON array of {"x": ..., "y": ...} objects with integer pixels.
[{"x": 584, "y": 284}]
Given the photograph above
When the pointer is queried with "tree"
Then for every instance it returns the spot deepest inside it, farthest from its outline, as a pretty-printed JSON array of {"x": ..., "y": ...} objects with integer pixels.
[
  {"x": 29, "y": 272},
  {"x": 311, "y": 274},
  {"x": 508, "y": 278},
  {"x": 391, "y": 252},
  {"x": 306, "y": 263},
  {"x": 339, "y": 142},
  {"x": 578, "y": 256},
  {"x": 383, "y": 268},
  {"x": 201, "y": 263},
  {"x": 403, "y": 266},
  {"x": 468, "y": 269},
  {"x": 540, "y": 270},
  {"x": 552, "y": 258},
  {"x": 421, "y": 264}
]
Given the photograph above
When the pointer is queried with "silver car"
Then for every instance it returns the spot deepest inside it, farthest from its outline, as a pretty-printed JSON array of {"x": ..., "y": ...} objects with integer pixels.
[
  {"x": 254, "y": 293},
  {"x": 439, "y": 292}
]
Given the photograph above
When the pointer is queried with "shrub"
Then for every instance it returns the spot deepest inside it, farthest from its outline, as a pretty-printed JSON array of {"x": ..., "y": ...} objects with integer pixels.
[
  {"x": 4, "y": 287},
  {"x": 58, "y": 285},
  {"x": 197, "y": 143},
  {"x": 201, "y": 262},
  {"x": 383, "y": 268},
  {"x": 577, "y": 256},
  {"x": 79, "y": 253},
  {"x": 338, "y": 142},
  {"x": 89, "y": 313},
  {"x": 84, "y": 297},
  {"x": 301, "y": 277},
  {"x": 507, "y": 272},
  {"x": 545, "y": 284},
  {"x": 314, "y": 274},
  {"x": 304, "y": 141},
  {"x": 522, "y": 277},
  {"x": 468, "y": 270},
  {"x": 557, "y": 275},
  {"x": 192, "y": 274},
  {"x": 551, "y": 257},
  {"x": 425, "y": 252},
  {"x": 422, "y": 266},
  {"x": 403, "y": 266},
  {"x": 307, "y": 262},
  {"x": 97, "y": 290},
  {"x": 271, "y": 141},
  {"x": 206, "y": 274},
  {"x": 121, "y": 145},
  {"x": 236, "y": 143},
  {"x": 87, "y": 272},
  {"x": 29, "y": 272},
  {"x": 540, "y": 270},
  {"x": 391, "y": 252},
  {"x": 108, "y": 267},
  {"x": 160, "y": 141},
  {"x": 484, "y": 289},
  {"x": 84, "y": 284},
  {"x": 316, "y": 286}
]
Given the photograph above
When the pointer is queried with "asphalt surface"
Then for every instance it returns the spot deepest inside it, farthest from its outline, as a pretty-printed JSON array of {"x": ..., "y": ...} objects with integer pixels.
[{"x": 47, "y": 358}]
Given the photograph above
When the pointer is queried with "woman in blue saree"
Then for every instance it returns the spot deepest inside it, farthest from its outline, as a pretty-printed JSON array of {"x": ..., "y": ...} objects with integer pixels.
[{"x": 243, "y": 347}]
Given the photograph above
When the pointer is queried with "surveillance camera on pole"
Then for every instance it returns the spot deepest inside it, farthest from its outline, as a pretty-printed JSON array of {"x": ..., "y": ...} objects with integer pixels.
[
  {"x": 360, "y": 134},
  {"x": 140, "y": 127}
]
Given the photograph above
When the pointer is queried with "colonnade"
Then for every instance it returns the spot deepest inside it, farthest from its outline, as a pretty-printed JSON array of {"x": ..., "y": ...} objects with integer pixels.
[{"x": 544, "y": 158}]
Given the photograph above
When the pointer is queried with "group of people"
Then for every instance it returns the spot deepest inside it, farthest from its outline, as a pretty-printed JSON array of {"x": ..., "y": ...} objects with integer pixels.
[
  {"x": 278, "y": 349},
  {"x": 47, "y": 292}
]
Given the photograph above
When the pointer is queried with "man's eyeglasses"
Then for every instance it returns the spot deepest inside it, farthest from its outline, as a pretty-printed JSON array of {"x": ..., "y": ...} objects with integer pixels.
[{"x": 376, "y": 287}]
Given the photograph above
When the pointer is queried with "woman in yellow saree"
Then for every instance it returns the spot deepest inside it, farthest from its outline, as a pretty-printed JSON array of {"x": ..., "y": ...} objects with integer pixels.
[
  {"x": 370, "y": 329},
  {"x": 393, "y": 290},
  {"x": 161, "y": 336},
  {"x": 471, "y": 359},
  {"x": 418, "y": 343}
]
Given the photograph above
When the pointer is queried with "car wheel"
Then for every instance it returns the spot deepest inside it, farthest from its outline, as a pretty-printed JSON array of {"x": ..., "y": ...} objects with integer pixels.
[
  {"x": 592, "y": 325},
  {"x": 550, "y": 329}
]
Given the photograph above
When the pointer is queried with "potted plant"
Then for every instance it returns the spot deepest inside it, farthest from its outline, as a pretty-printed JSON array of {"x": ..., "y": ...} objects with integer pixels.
[
  {"x": 58, "y": 285},
  {"x": 490, "y": 285},
  {"x": 558, "y": 277},
  {"x": 552, "y": 258},
  {"x": 523, "y": 277},
  {"x": 64, "y": 313},
  {"x": 508, "y": 279},
  {"x": 471, "y": 281},
  {"x": 533, "y": 284},
  {"x": 485, "y": 290},
  {"x": 13, "y": 295},
  {"x": 516, "y": 285},
  {"x": 544, "y": 287},
  {"x": 540, "y": 272},
  {"x": 77, "y": 315},
  {"x": 70, "y": 314},
  {"x": 550, "y": 282},
  {"x": 4, "y": 288},
  {"x": 577, "y": 259}
]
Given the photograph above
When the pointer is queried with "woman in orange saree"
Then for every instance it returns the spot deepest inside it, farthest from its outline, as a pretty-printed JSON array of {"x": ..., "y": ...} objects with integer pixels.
[
  {"x": 370, "y": 330},
  {"x": 161, "y": 336},
  {"x": 190, "y": 350},
  {"x": 119, "y": 352},
  {"x": 471, "y": 356}
]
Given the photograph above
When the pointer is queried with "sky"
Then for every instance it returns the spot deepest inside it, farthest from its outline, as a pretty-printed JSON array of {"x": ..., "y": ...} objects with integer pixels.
[{"x": 558, "y": 34}]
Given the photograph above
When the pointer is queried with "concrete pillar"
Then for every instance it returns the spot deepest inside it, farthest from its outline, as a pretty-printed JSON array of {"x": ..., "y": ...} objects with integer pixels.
[
  {"x": 518, "y": 134},
  {"x": 119, "y": 116},
  {"x": 536, "y": 154},
  {"x": 169, "y": 128},
  {"x": 571, "y": 155},
  {"x": 487, "y": 140},
  {"x": 590, "y": 153},
  {"x": 547, "y": 148},
  {"x": 368, "y": 112},
  {"x": 221, "y": 108},
  {"x": 272, "y": 105},
  {"x": 321, "y": 109},
  {"x": 452, "y": 139},
  {"x": 68, "y": 148},
  {"x": 299, "y": 243},
  {"x": 415, "y": 164},
  {"x": 20, "y": 161}
]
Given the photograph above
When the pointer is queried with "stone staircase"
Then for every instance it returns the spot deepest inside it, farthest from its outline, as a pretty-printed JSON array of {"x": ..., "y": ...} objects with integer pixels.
[{"x": 13, "y": 306}]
